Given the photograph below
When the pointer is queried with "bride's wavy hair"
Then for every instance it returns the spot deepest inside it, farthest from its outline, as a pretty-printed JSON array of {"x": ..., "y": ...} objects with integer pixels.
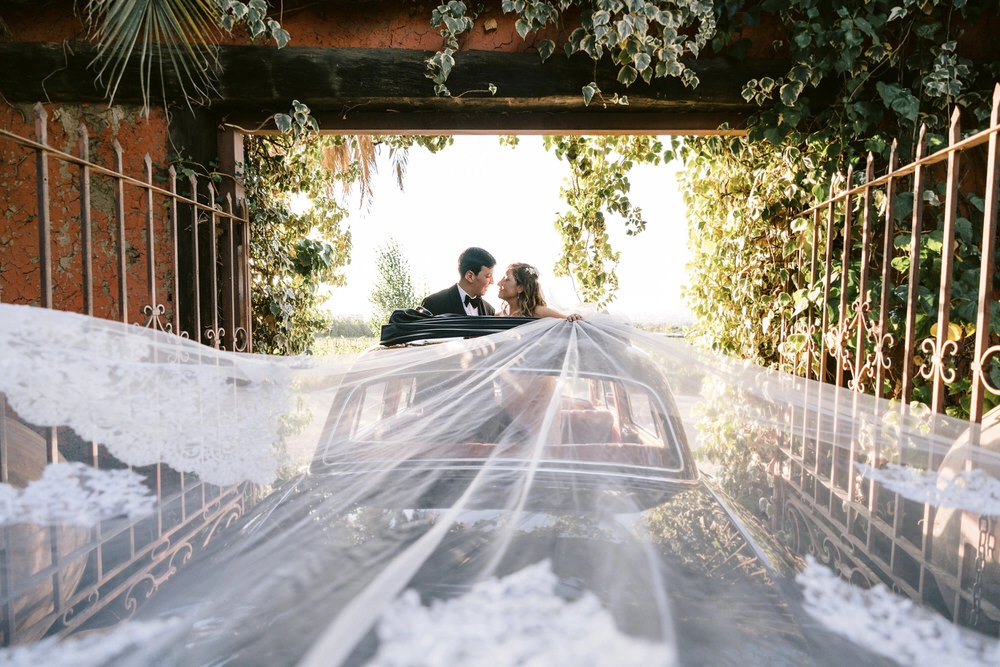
[{"x": 531, "y": 297}]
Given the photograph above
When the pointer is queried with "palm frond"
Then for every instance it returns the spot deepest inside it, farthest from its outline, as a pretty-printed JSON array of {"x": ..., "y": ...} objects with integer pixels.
[
  {"x": 400, "y": 158},
  {"x": 367, "y": 157},
  {"x": 358, "y": 153},
  {"x": 170, "y": 38}
]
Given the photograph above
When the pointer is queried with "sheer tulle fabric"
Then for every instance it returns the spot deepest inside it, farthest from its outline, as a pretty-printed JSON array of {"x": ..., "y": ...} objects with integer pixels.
[{"x": 527, "y": 497}]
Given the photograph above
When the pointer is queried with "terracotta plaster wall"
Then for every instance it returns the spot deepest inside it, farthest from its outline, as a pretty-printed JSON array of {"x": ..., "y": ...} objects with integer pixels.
[
  {"x": 398, "y": 24},
  {"x": 405, "y": 24},
  {"x": 20, "y": 270}
]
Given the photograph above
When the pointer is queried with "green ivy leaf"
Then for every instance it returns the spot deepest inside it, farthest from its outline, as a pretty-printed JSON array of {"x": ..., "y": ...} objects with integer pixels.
[
  {"x": 281, "y": 37},
  {"x": 790, "y": 92},
  {"x": 964, "y": 231},
  {"x": 800, "y": 73},
  {"x": 976, "y": 202},
  {"x": 588, "y": 93},
  {"x": 545, "y": 49},
  {"x": 446, "y": 63},
  {"x": 283, "y": 122},
  {"x": 927, "y": 30},
  {"x": 522, "y": 27},
  {"x": 796, "y": 342},
  {"x": 899, "y": 99},
  {"x": 627, "y": 74}
]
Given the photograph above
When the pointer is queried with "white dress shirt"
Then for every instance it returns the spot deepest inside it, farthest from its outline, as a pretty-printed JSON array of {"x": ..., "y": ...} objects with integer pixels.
[{"x": 469, "y": 308}]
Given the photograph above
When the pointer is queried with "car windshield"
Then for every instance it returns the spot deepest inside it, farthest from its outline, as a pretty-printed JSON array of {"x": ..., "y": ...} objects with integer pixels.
[
  {"x": 511, "y": 415},
  {"x": 507, "y": 411}
]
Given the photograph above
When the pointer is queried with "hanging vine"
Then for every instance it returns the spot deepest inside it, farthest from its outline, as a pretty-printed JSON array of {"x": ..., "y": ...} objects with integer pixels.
[{"x": 646, "y": 40}]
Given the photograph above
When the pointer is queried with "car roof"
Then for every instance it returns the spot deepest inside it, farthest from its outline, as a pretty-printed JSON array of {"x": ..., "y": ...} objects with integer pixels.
[{"x": 416, "y": 324}]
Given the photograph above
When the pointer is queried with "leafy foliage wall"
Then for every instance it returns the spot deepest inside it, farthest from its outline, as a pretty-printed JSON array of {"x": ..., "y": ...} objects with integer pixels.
[
  {"x": 291, "y": 254},
  {"x": 862, "y": 76}
]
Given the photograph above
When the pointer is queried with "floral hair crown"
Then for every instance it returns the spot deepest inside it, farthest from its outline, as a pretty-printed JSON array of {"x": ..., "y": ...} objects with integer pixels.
[{"x": 530, "y": 270}]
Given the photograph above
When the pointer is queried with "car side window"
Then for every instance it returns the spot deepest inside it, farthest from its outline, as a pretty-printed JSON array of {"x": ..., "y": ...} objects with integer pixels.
[
  {"x": 642, "y": 412},
  {"x": 379, "y": 401},
  {"x": 370, "y": 409}
]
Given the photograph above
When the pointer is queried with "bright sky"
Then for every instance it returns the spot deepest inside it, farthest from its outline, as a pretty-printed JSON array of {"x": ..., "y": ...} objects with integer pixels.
[{"x": 506, "y": 200}]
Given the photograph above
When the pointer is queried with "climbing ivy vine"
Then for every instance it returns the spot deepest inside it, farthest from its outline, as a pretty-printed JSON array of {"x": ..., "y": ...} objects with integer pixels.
[
  {"x": 597, "y": 193},
  {"x": 292, "y": 253},
  {"x": 644, "y": 39}
]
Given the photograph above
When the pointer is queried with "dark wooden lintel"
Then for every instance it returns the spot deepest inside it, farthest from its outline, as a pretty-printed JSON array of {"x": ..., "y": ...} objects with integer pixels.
[
  {"x": 357, "y": 90},
  {"x": 621, "y": 121}
]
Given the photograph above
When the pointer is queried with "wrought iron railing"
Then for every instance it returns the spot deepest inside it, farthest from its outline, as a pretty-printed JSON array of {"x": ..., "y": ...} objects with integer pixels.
[
  {"x": 89, "y": 238},
  {"x": 878, "y": 332},
  {"x": 858, "y": 345}
]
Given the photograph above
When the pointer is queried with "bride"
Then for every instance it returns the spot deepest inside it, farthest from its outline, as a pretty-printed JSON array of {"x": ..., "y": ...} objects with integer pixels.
[{"x": 522, "y": 295}]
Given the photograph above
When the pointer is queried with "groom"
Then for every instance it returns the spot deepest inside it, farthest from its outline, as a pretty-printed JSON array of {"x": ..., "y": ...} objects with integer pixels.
[{"x": 475, "y": 275}]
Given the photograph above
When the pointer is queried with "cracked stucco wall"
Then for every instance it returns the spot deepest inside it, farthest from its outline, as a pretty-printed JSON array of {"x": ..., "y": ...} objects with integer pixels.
[{"x": 20, "y": 272}]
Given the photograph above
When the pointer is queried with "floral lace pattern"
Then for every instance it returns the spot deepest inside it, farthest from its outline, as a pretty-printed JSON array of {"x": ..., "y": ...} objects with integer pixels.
[
  {"x": 973, "y": 490},
  {"x": 76, "y": 494},
  {"x": 893, "y": 626},
  {"x": 149, "y": 397},
  {"x": 517, "y": 620},
  {"x": 93, "y": 650}
]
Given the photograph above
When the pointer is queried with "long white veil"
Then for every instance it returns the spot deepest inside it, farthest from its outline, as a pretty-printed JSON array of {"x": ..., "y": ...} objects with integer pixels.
[{"x": 528, "y": 497}]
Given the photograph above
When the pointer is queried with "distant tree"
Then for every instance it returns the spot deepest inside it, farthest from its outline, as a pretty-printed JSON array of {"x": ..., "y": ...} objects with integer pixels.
[{"x": 394, "y": 288}]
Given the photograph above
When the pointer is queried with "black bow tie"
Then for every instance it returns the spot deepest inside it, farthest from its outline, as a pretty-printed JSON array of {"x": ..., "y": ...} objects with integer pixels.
[{"x": 475, "y": 301}]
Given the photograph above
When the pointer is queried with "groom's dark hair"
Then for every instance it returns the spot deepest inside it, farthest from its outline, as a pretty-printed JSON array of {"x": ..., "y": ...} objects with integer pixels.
[{"x": 474, "y": 259}]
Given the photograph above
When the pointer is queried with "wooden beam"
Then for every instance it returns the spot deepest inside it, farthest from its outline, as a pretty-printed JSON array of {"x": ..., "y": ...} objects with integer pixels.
[
  {"x": 359, "y": 89},
  {"x": 617, "y": 121}
]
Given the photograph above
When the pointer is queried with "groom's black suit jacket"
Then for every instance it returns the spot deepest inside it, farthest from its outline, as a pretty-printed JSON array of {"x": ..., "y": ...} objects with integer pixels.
[{"x": 449, "y": 300}]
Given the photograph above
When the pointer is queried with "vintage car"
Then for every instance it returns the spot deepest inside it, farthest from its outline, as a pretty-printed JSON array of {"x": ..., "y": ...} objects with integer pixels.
[{"x": 544, "y": 449}]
